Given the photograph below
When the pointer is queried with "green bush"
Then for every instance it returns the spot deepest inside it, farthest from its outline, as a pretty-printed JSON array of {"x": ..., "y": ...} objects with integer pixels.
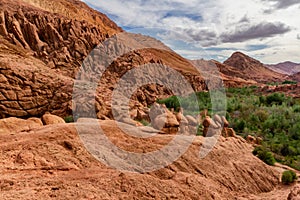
[
  {"x": 171, "y": 102},
  {"x": 264, "y": 155},
  {"x": 69, "y": 119},
  {"x": 275, "y": 98},
  {"x": 289, "y": 82},
  {"x": 240, "y": 126},
  {"x": 288, "y": 177},
  {"x": 296, "y": 108}
]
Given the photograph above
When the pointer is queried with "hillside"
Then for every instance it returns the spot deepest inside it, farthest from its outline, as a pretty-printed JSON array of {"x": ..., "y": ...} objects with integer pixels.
[
  {"x": 50, "y": 161},
  {"x": 250, "y": 69},
  {"x": 295, "y": 77},
  {"x": 287, "y": 67}
]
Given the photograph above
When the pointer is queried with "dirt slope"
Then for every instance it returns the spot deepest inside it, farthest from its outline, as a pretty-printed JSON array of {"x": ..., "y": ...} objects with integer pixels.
[{"x": 51, "y": 162}]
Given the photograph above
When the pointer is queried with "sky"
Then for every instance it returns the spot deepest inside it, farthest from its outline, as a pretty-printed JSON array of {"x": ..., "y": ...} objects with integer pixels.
[{"x": 268, "y": 30}]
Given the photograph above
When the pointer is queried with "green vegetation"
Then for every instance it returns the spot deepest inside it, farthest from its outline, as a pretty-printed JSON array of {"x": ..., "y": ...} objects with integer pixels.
[
  {"x": 264, "y": 155},
  {"x": 189, "y": 103},
  {"x": 289, "y": 82},
  {"x": 69, "y": 119},
  {"x": 144, "y": 122},
  {"x": 288, "y": 177},
  {"x": 274, "y": 117}
]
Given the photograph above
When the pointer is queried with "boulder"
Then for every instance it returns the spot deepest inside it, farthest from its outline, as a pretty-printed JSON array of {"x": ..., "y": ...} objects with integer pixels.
[
  {"x": 259, "y": 140},
  {"x": 230, "y": 132},
  {"x": 191, "y": 120},
  {"x": 251, "y": 139},
  {"x": 167, "y": 122},
  {"x": 168, "y": 119},
  {"x": 225, "y": 122},
  {"x": 183, "y": 122},
  {"x": 15, "y": 125},
  {"x": 155, "y": 111},
  {"x": 36, "y": 120},
  {"x": 295, "y": 193},
  {"x": 208, "y": 122},
  {"x": 141, "y": 115},
  {"x": 49, "y": 119},
  {"x": 218, "y": 119}
]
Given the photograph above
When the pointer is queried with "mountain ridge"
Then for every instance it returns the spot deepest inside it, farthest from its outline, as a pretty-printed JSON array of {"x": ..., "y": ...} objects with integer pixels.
[{"x": 286, "y": 67}]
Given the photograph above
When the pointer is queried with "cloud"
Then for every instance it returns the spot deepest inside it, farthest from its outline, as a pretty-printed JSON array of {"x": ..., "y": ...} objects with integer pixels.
[
  {"x": 282, "y": 4},
  {"x": 204, "y": 37},
  {"x": 259, "y": 31},
  {"x": 221, "y": 25},
  {"x": 245, "y": 19}
]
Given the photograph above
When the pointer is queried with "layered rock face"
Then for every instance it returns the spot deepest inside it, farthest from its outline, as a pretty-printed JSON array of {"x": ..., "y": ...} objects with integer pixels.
[
  {"x": 41, "y": 51},
  {"x": 60, "y": 41},
  {"x": 28, "y": 87}
]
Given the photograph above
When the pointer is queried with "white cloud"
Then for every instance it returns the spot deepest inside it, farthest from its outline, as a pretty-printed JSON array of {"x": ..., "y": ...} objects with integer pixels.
[{"x": 201, "y": 23}]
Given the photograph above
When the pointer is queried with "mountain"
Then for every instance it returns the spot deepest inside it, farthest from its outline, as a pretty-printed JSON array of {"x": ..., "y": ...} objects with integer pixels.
[
  {"x": 249, "y": 68},
  {"x": 287, "y": 67}
]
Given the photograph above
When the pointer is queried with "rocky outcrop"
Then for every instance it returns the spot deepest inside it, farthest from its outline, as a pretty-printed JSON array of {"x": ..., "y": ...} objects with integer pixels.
[
  {"x": 218, "y": 125},
  {"x": 16, "y": 125},
  {"x": 29, "y": 88},
  {"x": 40, "y": 53},
  {"x": 254, "y": 140},
  {"x": 163, "y": 119},
  {"x": 59, "y": 41}
]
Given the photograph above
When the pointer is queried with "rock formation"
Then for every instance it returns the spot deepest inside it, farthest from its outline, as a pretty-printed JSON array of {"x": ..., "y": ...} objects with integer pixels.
[
  {"x": 48, "y": 119},
  {"x": 295, "y": 193},
  {"x": 40, "y": 53},
  {"x": 16, "y": 125},
  {"x": 254, "y": 140},
  {"x": 217, "y": 125}
]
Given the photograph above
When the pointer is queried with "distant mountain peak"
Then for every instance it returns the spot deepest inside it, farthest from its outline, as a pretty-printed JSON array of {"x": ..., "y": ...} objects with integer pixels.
[
  {"x": 250, "y": 68},
  {"x": 242, "y": 61}
]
